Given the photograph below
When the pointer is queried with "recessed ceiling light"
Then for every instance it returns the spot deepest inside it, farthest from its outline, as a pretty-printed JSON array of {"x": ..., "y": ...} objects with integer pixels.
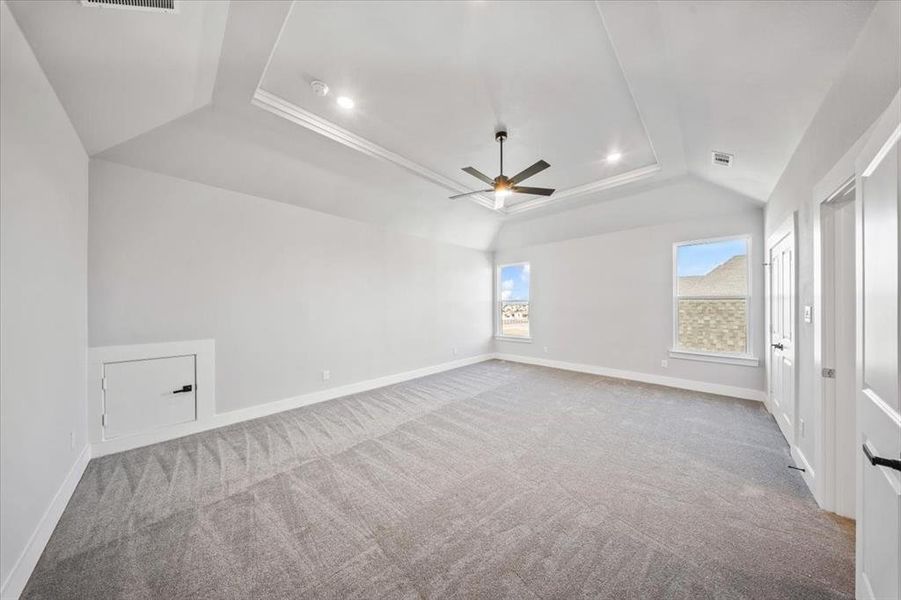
[
  {"x": 345, "y": 102},
  {"x": 614, "y": 157}
]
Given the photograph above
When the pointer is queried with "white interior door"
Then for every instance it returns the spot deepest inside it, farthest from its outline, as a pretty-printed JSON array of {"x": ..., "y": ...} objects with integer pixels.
[
  {"x": 782, "y": 333},
  {"x": 879, "y": 411},
  {"x": 140, "y": 395}
]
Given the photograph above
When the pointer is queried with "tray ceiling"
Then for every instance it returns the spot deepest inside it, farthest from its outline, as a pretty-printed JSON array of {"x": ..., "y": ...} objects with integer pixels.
[
  {"x": 665, "y": 83},
  {"x": 429, "y": 96}
]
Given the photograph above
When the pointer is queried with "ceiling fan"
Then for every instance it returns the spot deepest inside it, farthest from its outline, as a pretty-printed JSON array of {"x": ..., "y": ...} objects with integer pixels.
[{"x": 504, "y": 186}]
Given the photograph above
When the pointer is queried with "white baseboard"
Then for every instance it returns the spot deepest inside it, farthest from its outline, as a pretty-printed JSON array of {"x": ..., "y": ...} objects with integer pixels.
[
  {"x": 262, "y": 410},
  {"x": 808, "y": 474},
  {"x": 676, "y": 382},
  {"x": 17, "y": 579},
  {"x": 21, "y": 571},
  {"x": 112, "y": 446}
]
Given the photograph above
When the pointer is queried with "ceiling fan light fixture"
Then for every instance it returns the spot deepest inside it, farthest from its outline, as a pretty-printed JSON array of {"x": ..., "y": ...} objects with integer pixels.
[{"x": 503, "y": 186}]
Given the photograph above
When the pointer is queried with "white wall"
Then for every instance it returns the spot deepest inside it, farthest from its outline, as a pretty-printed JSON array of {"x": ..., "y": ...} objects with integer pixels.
[
  {"x": 43, "y": 293},
  {"x": 606, "y": 300},
  {"x": 666, "y": 201},
  {"x": 871, "y": 78},
  {"x": 286, "y": 292}
]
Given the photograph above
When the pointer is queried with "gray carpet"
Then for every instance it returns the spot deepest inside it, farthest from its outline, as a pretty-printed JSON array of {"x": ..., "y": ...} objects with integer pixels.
[{"x": 497, "y": 480}]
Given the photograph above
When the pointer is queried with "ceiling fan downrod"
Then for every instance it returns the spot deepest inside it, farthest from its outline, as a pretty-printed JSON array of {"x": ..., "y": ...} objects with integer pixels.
[{"x": 501, "y": 137}]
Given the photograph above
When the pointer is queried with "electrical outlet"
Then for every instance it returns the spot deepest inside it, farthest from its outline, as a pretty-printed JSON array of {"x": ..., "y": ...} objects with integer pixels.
[
  {"x": 803, "y": 428},
  {"x": 664, "y": 363},
  {"x": 455, "y": 351},
  {"x": 71, "y": 440},
  {"x": 326, "y": 375},
  {"x": 545, "y": 349}
]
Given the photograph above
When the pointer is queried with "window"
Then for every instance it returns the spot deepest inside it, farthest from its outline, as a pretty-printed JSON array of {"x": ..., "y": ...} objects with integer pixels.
[
  {"x": 712, "y": 297},
  {"x": 513, "y": 300}
]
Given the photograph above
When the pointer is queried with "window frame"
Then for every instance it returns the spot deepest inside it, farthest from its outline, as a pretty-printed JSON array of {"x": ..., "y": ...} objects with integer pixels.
[
  {"x": 498, "y": 303},
  {"x": 746, "y": 358}
]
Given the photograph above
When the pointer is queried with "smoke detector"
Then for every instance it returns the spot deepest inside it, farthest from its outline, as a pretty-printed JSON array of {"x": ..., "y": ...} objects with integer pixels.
[
  {"x": 319, "y": 87},
  {"x": 165, "y": 6},
  {"x": 723, "y": 159}
]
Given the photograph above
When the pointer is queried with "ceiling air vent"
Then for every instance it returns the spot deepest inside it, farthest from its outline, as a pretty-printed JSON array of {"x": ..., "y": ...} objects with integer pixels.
[
  {"x": 722, "y": 159},
  {"x": 167, "y": 6}
]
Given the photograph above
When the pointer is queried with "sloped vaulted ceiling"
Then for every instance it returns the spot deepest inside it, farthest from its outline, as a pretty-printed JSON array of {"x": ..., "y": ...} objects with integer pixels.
[
  {"x": 120, "y": 73},
  {"x": 749, "y": 77}
]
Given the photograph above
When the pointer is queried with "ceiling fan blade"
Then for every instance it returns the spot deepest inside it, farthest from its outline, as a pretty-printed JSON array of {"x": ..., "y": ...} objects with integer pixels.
[
  {"x": 479, "y": 175},
  {"x": 533, "y": 170},
  {"x": 530, "y": 190},
  {"x": 470, "y": 194}
]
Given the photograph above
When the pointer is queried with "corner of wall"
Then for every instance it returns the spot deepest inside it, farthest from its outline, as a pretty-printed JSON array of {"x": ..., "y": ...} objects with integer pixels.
[{"x": 44, "y": 184}]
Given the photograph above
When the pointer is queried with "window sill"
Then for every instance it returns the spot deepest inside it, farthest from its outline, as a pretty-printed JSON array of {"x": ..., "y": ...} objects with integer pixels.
[
  {"x": 508, "y": 338},
  {"x": 724, "y": 359}
]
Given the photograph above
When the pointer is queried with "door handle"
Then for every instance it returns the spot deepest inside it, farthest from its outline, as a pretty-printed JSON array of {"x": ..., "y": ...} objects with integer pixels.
[
  {"x": 184, "y": 388},
  {"x": 778, "y": 346},
  {"x": 891, "y": 463}
]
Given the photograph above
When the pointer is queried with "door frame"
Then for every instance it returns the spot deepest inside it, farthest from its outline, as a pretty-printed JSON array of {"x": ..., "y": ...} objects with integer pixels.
[
  {"x": 788, "y": 227},
  {"x": 827, "y": 191},
  {"x": 205, "y": 398},
  {"x": 842, "y": 175}
]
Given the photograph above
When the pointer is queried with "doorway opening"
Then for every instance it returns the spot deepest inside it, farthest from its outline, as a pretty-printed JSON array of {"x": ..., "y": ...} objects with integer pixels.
[{"x": 838, "y": 339}]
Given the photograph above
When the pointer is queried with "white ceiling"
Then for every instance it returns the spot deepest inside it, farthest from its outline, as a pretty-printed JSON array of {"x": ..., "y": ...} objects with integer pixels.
[
  {"x": 753, "y": 79},
  {"x": 119, "y": 72},
  {"x": 663, "y": 82},
  {"x": 435, "y": 92}
]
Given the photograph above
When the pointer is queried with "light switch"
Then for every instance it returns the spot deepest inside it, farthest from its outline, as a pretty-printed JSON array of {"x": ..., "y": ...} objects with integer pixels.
[{"x": 808, "y": 313}]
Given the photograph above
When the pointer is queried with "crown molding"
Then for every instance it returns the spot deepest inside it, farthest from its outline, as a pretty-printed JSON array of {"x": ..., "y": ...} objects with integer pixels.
[
  {"x": 588, "y": 188},
  {"x": 290, "y": 111},
  {"x": 287, "y": 110}
]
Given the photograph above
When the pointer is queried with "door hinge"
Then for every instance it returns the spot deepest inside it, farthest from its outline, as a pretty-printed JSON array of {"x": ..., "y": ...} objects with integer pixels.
[
  {"x": 103, "y": 383},
  {"x": 103, "y": 419},
  {"x": 829, "y": 373}
]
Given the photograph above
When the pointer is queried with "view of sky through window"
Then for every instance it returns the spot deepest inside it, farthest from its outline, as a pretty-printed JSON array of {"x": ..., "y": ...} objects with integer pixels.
[
  {"x": 700, "y": 259},
  {"x": 515, "y": 283}
]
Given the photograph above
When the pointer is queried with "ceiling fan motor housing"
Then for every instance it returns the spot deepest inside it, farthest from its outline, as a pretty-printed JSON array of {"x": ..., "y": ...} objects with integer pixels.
[{"x": 500, "y": 135}]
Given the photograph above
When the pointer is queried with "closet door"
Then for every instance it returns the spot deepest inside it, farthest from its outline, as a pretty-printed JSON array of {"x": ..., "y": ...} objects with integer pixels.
[{"x": 141, "y": 395}]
